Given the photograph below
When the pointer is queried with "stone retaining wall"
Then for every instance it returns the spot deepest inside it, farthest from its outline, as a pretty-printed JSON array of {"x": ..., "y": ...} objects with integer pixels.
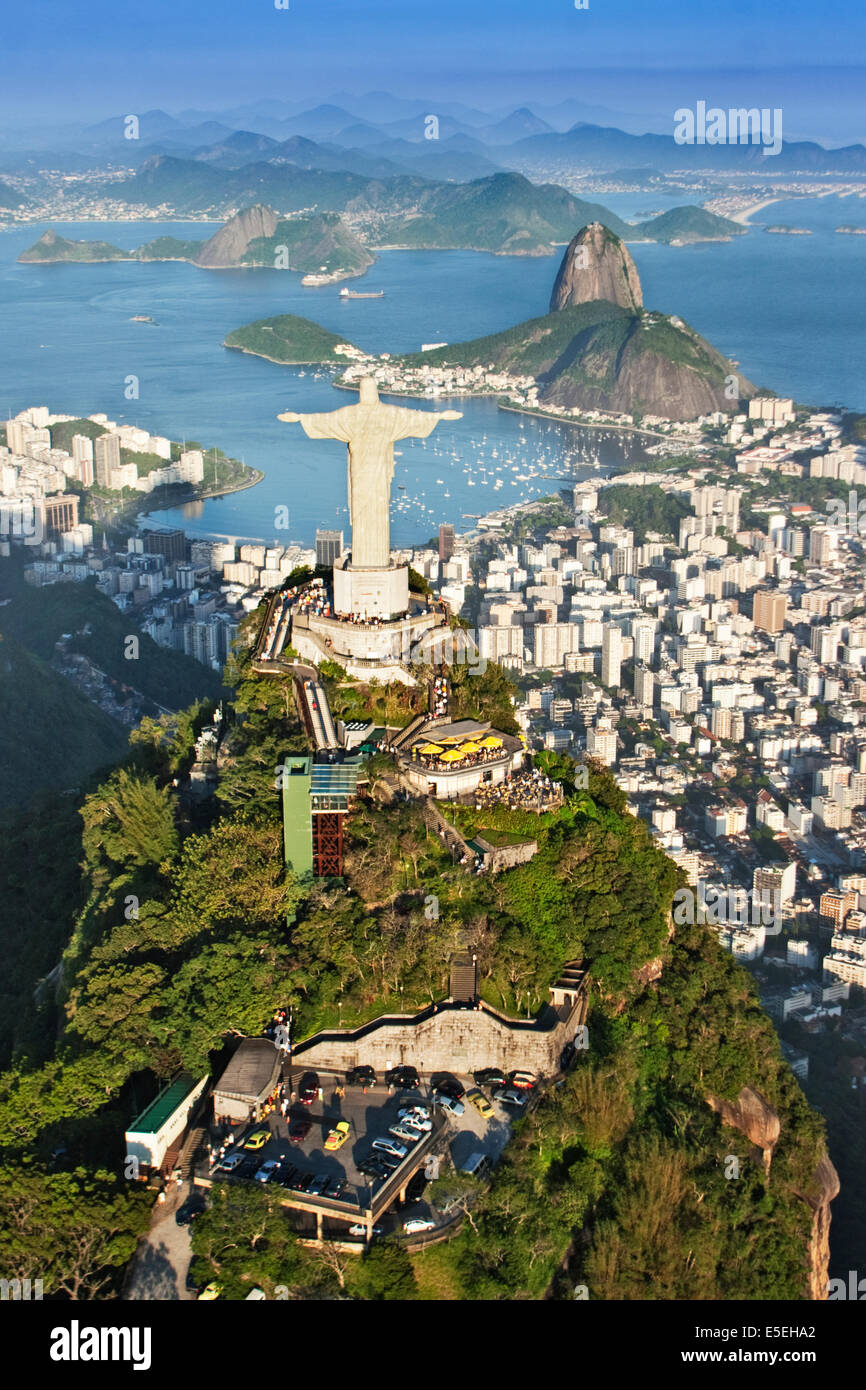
[{"x": 451, "y": 1039}]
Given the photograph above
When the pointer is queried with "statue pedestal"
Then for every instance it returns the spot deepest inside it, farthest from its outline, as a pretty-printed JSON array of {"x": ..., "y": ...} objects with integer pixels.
[{"x": 370, "y": 593}]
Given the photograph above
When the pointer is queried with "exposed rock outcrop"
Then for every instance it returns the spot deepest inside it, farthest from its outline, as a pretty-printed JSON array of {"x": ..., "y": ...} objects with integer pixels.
[
  {"x": 596, "y": 266},
  {"x": 825, "y": 1186},
  {"x": 227, "y": 246},
  {"x": 754, "y": 1117}
]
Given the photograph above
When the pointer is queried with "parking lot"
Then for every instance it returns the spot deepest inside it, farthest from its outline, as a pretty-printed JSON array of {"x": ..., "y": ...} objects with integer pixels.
[{"x": 369, "y": 1115}]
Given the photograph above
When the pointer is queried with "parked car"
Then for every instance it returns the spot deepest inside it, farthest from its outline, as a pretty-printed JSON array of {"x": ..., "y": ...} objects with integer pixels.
[
  {"x": 387, "y": 1145},
  {"x": 318, "y": 1185},
  {"x": 338, "y": 1135},
  {"x": 335, "y": 1188},
  {"x": 402, "y": 1131},
  {"x": 361, "y": 1076},
  {"x": 449, "y": 1086},
  {"x": 301, "y": 1182},
  {"x": 522, "y": 1080},
  {"x": 299, "y": 1128},
  {"x": 391, "y": 1161},
  {"x": 285, "y": 1175},
  {"x": 210, "y": 1292},
  {"x": 414, "y": 1129},
  {"x": 257, "y": 1140},
  {"x": 489, "y": 1076},
  {"x": 308, "y": 1088},
  {"x": 230, "y": 1163},
  {"x": 416, "y": 1115},
  {"x": 373, "y": 1168},
  {"x": 481, "y": 1104},
  {"x": 506, "y": 1095},
  {"x": 454, "y": 1107},
  {"x": 416, "y": 1224},
  {"x": 190, "y": 1209},
  {"x": 268, "y": 1170},
  {"x": 362, "y": 1230},
  {"x": 406, "y": 1078}
]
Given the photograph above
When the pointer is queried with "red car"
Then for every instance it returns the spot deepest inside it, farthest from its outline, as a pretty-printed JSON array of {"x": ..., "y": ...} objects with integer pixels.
[
  {"x": 522, "y": 1080},
  {"x": 308, "y": 1088},
  {"x": 299, "y": 1128}
]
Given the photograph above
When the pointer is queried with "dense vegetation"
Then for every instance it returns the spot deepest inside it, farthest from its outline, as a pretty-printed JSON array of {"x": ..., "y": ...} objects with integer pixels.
[
  {"x": 287, "y": 338},
  {"x": 321, "y": 242},
  {"x": 180, "y": 935},
  {"x": 689, "y": 223},
  {"x": 592, "y": 355},
  {"x": 627, "y": 1153},
  {"x": 37, "y": 618},
  {"x": 644, "y": 510},
  {"x": 53, "y": 247}
]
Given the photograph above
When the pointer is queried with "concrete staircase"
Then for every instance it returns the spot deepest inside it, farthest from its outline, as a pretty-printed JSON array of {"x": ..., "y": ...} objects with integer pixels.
[{"x": 462, "y": 979}]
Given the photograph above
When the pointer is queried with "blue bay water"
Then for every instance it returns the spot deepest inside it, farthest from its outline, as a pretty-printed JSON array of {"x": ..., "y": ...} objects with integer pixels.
[{"x": 789, "y": 309}]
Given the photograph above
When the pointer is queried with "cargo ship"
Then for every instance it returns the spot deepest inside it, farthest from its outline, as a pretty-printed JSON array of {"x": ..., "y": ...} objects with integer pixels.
[{"x": 357, "y": 294}]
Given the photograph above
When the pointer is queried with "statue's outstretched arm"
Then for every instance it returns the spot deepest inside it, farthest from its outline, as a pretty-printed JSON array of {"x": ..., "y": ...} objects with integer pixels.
[
  {"x": 326, "y": 426},
  {"x": 419, "y": 423}
]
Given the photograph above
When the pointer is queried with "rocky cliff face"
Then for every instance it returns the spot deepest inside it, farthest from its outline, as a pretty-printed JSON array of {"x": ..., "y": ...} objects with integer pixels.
[
  {"x": 825, "y": 1186},
  {"x": 227, "y": 246},
  {"x": 596, "y": 266},
  {"x": 755, "y": 1118},
  {"x": 645, "y": 364}
]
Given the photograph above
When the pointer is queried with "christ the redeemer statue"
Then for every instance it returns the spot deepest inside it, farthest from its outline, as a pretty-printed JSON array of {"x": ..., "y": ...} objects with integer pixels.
[{"x": 371, "y": 430}]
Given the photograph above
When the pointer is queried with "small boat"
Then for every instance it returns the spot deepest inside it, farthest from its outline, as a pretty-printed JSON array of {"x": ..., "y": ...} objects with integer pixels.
[{"x": 357, "y": 294}]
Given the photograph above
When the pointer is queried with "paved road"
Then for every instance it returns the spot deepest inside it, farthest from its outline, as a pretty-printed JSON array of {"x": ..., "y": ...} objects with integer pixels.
[{"x": 162, "y": 1260}]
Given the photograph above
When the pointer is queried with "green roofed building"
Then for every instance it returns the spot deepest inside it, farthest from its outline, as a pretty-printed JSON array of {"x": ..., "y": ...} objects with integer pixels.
[
  {"x": 159, "y": 1128},
  {"x": 297, "y": 832}
]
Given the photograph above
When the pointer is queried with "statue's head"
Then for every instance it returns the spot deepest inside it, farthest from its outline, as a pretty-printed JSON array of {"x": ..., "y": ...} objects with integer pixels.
[{"x": 368, "y": 395}]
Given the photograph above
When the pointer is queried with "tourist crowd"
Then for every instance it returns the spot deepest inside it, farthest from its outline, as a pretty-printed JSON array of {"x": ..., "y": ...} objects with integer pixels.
[
  {"x": 524, "y": 791},
  {"x": 439, "y": 701}
]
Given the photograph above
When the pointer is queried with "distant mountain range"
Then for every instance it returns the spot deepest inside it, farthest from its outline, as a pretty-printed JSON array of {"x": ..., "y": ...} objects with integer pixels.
[{"x": 369, "y": 135}]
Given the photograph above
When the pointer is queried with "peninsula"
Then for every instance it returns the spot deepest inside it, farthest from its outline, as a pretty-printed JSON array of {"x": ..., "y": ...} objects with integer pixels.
[
  {"x": 597, "y": 349},
  {"x": 258, "y": 237}
]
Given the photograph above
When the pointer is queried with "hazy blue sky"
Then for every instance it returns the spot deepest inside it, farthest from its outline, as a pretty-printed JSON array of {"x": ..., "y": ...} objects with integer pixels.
[{"x": 98, "y": 57}]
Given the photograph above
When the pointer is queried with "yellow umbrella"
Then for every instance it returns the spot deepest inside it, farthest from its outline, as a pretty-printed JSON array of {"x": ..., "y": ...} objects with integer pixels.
[
  {"x": 470, "y": 747},
  {"x": 453, "y": 755},
  {"x": 491, "y": 742},
  {"x": 430, "y": 749}
]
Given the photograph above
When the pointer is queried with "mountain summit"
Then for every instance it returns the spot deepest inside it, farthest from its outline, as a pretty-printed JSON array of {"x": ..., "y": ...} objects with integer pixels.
[{"x": 596, "y": 266}]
